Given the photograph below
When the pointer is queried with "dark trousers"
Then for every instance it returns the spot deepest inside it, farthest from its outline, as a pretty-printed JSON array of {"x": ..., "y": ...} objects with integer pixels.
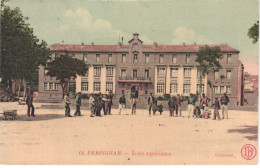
[
  {"x": 109, "y": 108},
  {"x": 150, "y": 108},
  {"x": 77, "y": 110},
  {"x": 67, "y": 110},
  {"x": 104, "y": 109},
  {"x": 176, "y": 109},
  {"x": 134, "y": 109},
  {"x": 30, "y": 106},
  {"x": 171, "y": 111},
  {"x": 216, "y": 114}
]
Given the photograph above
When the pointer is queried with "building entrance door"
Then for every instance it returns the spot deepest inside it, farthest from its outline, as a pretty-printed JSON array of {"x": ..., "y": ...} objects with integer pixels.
[{"x": 134, "y": 91}]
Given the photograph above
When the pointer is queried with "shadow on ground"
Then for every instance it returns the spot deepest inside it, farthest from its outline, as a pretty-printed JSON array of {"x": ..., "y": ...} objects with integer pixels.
[
  {"x": 247, "y": 129},
  {"x": 38, "y": 117}
]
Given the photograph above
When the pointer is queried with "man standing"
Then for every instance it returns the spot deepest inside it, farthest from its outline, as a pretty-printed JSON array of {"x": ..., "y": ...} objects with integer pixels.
[
  {"x": 191, "y": 105},
  {"x": 67, "y": 105},
  {"x": 122, "y": 103},
  {"x": 216, "y": 108},
  {"x": 224, "y": 102},
  {"x": 204, "y": 101},
  {"x": 29, "y": 102},
  {"x": 178, "y": 104},
  {"x": 171, "y": 105},
  {"x": 133, "y": 105},
  {"x": 78, "y": 104},
  {"x": 110, "y": 103},
  {"x": 150, "y": 103},
  {"x": 91, "y": 105}
]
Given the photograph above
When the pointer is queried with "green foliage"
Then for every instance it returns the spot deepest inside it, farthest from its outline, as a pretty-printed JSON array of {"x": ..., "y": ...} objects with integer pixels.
[
  {"x": 21, "y": 50},
  {"x": 253, "y": 32},
  {"x": 65, "y": 67}
]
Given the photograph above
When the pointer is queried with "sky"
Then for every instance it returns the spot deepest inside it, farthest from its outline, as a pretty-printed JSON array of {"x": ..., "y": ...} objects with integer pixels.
[{"x": 164, "y": 22}]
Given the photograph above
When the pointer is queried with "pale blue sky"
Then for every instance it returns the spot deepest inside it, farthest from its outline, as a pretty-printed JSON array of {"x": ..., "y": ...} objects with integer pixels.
[{"x": 166, "y": 22}]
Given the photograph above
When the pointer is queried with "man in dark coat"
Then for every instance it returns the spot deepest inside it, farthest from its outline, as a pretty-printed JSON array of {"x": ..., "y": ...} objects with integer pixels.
[
  {"x": 150, "y": 103},
  {"x": 110, "y": 103},
  {"x": 29, "y": 102},
  {"x": 122, "y": 103},
  {"x": 171, "y": 105},
  {"x": 67, "y": 105},
  {"x": 216, "y": 108},
  {"x": 78, "y": 104},
  {"x": 224, "y": 102}
]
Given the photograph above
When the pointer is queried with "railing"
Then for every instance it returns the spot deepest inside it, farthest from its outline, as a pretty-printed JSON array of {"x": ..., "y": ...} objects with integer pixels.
[{"x": 134, "y": 78}]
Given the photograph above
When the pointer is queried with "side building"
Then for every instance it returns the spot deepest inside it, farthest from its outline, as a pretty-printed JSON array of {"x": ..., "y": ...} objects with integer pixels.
[{"x": 138, "y": 69}]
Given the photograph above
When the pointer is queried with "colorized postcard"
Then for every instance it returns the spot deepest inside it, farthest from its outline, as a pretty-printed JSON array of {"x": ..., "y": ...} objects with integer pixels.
[{"x": 129, "y": 82}]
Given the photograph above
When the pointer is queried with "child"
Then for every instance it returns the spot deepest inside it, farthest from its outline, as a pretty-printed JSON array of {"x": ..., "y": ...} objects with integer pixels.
[{"x": 216, "y": 108}]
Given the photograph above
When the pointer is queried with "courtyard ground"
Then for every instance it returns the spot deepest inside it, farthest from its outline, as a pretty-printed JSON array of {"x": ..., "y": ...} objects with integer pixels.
[{"x": 50, "y": 138}]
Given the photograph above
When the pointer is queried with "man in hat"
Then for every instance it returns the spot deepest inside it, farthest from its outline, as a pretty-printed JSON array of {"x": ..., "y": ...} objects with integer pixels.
[
  {"x": 92, "y": 105},
  {"x": 133, "y": 105},
  {"x": 171, "y": 105},
  {"x": 122, "y": 103},
  {"x": 178, "y": 104},
  {"x": 191, "y": 104},
  {"x": 216, "y": 108},
  {"x": 150, "y": 103},
  {"x": 78, "y": 104},
  {"x": 67, "y": 105},
  {"x": 110, "y": 103},
  {"x": 224, "y": 102},
  {"x": 204, "y": 101},
  {"x": 29, "y": 102}
]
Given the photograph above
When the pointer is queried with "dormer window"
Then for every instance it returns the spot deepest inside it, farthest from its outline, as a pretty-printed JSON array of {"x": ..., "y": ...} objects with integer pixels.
[{"x": 135, "y": 58}]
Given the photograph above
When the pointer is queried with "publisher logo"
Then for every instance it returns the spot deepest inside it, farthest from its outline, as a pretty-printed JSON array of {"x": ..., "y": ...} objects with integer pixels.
[{"x": 248, "y": 151}]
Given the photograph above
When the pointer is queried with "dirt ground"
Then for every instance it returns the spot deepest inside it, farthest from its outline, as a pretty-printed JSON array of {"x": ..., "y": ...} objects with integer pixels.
[{"x": 50, "y": 138}]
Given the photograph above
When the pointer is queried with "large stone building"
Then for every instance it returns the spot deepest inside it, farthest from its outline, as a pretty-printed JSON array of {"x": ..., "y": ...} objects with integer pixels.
[{"x": 139, "y": 69}]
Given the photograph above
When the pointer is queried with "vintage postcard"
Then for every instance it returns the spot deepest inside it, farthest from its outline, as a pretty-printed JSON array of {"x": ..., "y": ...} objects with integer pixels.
[{"x": 87, "y": 82}]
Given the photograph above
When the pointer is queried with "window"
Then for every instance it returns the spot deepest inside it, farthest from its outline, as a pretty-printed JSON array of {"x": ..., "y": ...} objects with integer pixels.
[
  {"x": 135, "y": 74},
  {"x": 50, "y": 86},
  {"x": 135, "y": 58},
  {"x": 123, "y": 58},
  {"x": 228, "y": 74},
  {"x": 97, "y": 71},
  {"x": 84, "y": 86},
  {"x": 123, "y": 92},
  {"x": 147, "y": 58},
  {"x": 110, "y": 71},
  {"x": 215, "y": 89},
  {"x": 86, "y": 74},
  {"x": 202, "y": 88},
  {"x": 161, "y": 58},
  {"x": 216, "y": 75},
  {"x": 123, "y": 73},
  {"x": 97, "y": 57},
  {"x": 56, "y": 55},
  {"x": 228, "y": 89},
  {"x": 85, "y": 58},
  {"x": 109, "y": 86},
  {"x": 174, "y": 58},
  {"x": 72, "y": 86},
  {"x": 173, "y": 88},
  {"x": 146, "y": 73},
  {"x": 187, "y": 58},
  {"x": 186, "y": 88},
  {"x": 56, "y": 86},
  {"x": 174, "y": 72},
  {"x": 222, "y": 89},
  {"x": 187, "y": 72},
  {"x": 161, "y": 72},
  {"x": 45, "y": 86},
  {"x": 229, "y": 61},
  {"x": 45, "y": 72},
  {"x": 97, "y": 86},
  {"x": 160, "y": 88},
  {"x": 109, "y": 58}
]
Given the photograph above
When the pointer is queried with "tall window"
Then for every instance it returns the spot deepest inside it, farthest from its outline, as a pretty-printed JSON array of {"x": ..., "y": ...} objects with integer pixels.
[
  {"x": 174, "y": 58},
  {"x": 215, "y": 89},
  {"x": 123, "y": 58},
  {"x": 228, "y": 74},
  {"x": 85, "y": 58},
  {"x": 123, "y": 73},
  {"x": 45, "y": 86},
  {"x": 173, "y": 88},
  {"x": 51, "y": 86},
  {"x": 202, "y": 88},
  {"x": 84, "y": 86},
  {"x": 222, "y": 89},
  {"x": 161, "y": 72},
  {"x": 187, "y": 72},
  {"x": 56, "y": 86},
  {"x": 147, "y": 58},
  {"x": 135, "y": 58},
  {"x": 174, "y": 72},
  {"x": 97, "y": 58},
  {"x": 109, "y": 86},
  {"x": 109, "y": 58},
  {"x": 135, "y": 73},
  {"x": 160, "y": 88},
  {"x": 228, "y": 88},
  {"x": 97, "y": 71},
  {"x": 186, "y": 88},
  {"x": 187, "y": 58},
  {"x": 72, "y": 86},
  {"x": 97, "y": 86},
  {"x": 56, "y": 55},
  {"x": 146, "y": 73},
  {"x": 161, "y": 58},
  {"x": 216, "y": 74},
  {"x": 229, "y": 61},
  {"x": 110, "y": 71}
]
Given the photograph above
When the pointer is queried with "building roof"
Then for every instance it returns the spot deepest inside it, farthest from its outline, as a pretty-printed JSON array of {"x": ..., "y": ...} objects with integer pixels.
[{"x": 116, "y": 48}]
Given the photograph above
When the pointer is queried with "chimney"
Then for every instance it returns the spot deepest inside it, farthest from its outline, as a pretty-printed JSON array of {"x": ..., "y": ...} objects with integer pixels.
[
  {"x": 195, "y": 43},
  {"x": 92, "y": 43},
  {"x": 155, "y": 44},
  {"x": 183, "y": 43},
  {"x": 82, "y": 43},
  {"x": 62, "y": 42}
]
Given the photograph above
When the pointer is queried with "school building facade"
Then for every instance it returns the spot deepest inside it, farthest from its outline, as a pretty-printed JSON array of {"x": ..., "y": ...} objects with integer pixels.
[{"x": 138, "y": 69}]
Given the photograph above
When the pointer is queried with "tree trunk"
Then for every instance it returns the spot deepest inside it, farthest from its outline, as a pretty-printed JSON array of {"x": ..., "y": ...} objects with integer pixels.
[
  {"x": 24, "y": 89},
  {"x": 10, "y": 87},
  {"x": 200, "y": 88},
  {"x": 19, "y": 89}
]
